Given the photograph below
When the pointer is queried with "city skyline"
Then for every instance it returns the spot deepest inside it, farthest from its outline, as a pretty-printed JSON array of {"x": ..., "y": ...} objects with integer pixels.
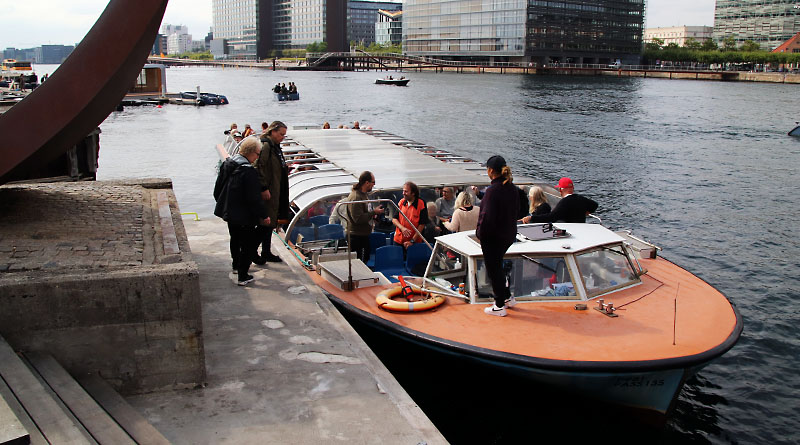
[{"x": 65, "y": 23}]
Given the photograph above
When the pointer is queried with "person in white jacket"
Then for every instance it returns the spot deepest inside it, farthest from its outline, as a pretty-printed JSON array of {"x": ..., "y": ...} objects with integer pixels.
[{"x": 465, "y": 215}]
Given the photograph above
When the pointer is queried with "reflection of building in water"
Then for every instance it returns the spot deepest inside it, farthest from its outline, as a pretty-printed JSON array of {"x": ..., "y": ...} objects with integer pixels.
[{"x": 768, "y": 23}]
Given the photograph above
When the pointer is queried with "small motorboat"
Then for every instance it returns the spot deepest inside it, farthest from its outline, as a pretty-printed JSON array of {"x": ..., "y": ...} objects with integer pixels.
[
  {"x": 599, "y": 313},
  {"x": 205, "y": 98},
  {"x": 288, "y": 96},
  {"x": 795, "y": 131},
  {"x": 399, "y": 82}
]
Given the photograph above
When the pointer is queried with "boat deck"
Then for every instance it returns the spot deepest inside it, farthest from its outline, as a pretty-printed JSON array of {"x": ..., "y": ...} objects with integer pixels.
[{"x": 641, "y": 332}]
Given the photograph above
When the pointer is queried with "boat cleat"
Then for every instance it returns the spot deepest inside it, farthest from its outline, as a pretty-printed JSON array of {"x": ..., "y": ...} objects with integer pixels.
[{"x": 605, "y": 308}]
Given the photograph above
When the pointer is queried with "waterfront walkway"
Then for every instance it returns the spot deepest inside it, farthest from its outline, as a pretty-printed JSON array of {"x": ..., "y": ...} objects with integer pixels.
[{"x": 283, "y": 365}]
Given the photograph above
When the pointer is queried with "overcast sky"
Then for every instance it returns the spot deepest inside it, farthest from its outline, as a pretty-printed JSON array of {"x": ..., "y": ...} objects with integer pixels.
[{"x": 31, "y": 23}]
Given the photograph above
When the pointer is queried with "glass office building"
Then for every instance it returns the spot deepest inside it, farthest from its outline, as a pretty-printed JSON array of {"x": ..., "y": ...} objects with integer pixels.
[
  {"x": 362, "y": 16},
  {"x": 573, "y": 31},
  {"x": 236, "y": 25},
  {"x": 766, "y": 22}
]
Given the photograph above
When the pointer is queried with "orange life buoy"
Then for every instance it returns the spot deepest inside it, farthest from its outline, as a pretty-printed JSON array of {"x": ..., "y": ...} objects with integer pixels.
[{"x": 384, "y": 300}]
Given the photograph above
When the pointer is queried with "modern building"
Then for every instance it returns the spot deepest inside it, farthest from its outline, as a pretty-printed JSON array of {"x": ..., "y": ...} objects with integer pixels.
[
  {"x": 679, "y": 34},
  {"x": 537, "y": 31},
  {"x": 52, "y": 54},
  {"x": 260, "y": 29},
  {"x": 159, "y": 45},
  {"x": 389, "y": 28},
  {"x": 766, "y": 22},
  {"x": 362, "y": 16},
  {"x": 179, "y": 43}
]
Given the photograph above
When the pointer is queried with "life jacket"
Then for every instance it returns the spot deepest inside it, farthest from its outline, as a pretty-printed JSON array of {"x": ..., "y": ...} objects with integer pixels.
[{"x": 412, "y": 213}]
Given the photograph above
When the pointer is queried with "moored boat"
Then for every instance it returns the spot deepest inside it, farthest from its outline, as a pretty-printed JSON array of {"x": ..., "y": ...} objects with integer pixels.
[
  {"x": 12, "y": 71},
  {"x": 205, "y": 98},
  {"x": 599, "y": 313},
  {"x": 795, "y": 131}
]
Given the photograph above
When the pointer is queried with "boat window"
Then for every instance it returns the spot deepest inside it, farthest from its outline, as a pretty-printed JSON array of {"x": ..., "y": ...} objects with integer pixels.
[
  {"x": 605, "y": 269},
  {"x": 448, "y": 269},
  {"x": 529, "y": 277}
]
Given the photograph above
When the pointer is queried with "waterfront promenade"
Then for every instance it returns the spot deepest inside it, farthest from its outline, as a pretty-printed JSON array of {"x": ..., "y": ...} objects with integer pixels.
[{"x": 272, "y": 362}]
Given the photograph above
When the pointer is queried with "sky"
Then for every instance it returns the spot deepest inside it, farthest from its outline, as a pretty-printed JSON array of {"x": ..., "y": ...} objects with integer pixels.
[{"x": 32, "y": 23}]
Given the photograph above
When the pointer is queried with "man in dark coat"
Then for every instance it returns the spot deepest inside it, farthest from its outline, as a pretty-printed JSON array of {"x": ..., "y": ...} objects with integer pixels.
[
  {"x": 573, "y": 208},
  {"x": 238, "y": 195},
  {"x": 274, "y": 176}
]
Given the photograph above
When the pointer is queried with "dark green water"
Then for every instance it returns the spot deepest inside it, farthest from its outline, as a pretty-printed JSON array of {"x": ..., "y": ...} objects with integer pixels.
[{"x": 703, "y": 169}]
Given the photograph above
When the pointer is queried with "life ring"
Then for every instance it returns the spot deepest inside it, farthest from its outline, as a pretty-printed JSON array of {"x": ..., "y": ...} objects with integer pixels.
[{"x": 384, "y": 300}]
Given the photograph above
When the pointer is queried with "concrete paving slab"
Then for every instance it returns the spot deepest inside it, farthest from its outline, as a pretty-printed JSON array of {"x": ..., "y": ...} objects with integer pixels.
[{"x": 283, "y": 366}]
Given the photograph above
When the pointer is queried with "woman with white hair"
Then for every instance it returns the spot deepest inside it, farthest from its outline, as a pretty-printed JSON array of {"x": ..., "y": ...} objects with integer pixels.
[{"x": 465, "y": 216}]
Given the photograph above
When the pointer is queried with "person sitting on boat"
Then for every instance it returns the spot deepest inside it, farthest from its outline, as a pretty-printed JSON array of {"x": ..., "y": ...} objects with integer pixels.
[
  {"x": 497, "y": 230},
  {"x": 432, "y": 229},
  {"x": 277, "y": 88},
  {"x": 247, "y": 131},
  {"x": 359, "y": 216},
  {"x": 238, "y": 195},
  {"x": 237, "y": 136},
  {"x": 274, "y": 175},
  {"x": 326, "y": 126},
  {"x": 415, "y": 210},
  {"x": 356, "y": 125},
  {"x": 538, "y": 204},
  {"x": 446, "y": 204},
  {"x": 233, "y": 128},
  {"x": 264, "y": 127},
  {"x": 573, "y": 208},
  {"x": 465, "y": 216},
  {"x": 292, "y": 88},
  {"x": 284, "y": 91}
]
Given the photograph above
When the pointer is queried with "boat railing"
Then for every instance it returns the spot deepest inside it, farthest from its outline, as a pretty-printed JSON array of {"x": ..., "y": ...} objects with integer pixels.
[{"x": 349, "y": 285}]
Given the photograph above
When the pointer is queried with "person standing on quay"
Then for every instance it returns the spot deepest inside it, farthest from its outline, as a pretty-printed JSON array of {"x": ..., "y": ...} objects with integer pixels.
[
  {"x": 238, "y": 195},
  {"x": 274, "y": 176},
  {"x": 497, "y": 229},
  {"x": 359, "y": 217}
]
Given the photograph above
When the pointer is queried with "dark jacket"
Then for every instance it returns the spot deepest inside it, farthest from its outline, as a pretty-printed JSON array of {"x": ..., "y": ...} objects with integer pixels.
[
  {"x": 571, "y": 209},
  {"x": 497, "y": 221},
  {"x": 359, "y": 216},
  {"x": 238, "y": 193},
  {"x": 274, "y": 176}
]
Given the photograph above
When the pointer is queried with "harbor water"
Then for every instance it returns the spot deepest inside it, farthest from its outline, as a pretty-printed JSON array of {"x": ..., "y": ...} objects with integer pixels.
[{"x": 703, "y": 169}]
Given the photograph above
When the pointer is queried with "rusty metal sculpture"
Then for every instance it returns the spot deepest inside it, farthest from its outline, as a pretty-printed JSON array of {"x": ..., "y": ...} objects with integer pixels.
[{"x": 84, "y": 90}]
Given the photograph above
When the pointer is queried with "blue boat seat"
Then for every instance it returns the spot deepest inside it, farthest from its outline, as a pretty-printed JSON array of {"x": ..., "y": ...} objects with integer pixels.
[
  {"x": 376, "y": 240},
  {"x": 417, "y": 253},
  {"x": 319, "y": 220},
  {"x": 389, "y": 261},
  {"x": 330, "y": 231},
  {"x": 307, "y": 232}
]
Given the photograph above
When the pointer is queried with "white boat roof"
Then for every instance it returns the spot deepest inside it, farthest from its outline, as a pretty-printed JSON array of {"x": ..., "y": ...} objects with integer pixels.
[
  {"x": 581, "y": 237},
  {"x": 392, "y": 159}
]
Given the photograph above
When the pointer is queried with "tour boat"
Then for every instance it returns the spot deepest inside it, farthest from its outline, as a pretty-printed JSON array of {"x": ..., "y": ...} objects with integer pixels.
[
  {"x": 398, "y": 82},
  {"x": 599, "y": 313},
  {"x": 11, "y": 70}
]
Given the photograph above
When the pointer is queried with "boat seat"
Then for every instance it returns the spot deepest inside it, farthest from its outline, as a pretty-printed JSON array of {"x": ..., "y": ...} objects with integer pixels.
[
  {"x": 417, "y": 253},
  {"x": 376, "y": 240},
  {"x": 307, "y": 232},
  {"x": 330, "y": 231},
  {"x": 389, "y": 261},
  {"x": 319, "y": 220}
]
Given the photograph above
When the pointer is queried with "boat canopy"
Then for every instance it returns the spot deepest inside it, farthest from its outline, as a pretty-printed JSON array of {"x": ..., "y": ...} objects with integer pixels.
[{"x": 326, "y": 163}]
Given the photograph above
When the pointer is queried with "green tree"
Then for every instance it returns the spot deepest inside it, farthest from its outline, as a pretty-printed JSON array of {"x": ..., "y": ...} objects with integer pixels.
[
  {"x": 654, "y": 44},
  {"x": 692, "y": 43},
  {"x": 709, "y": 45},
  {"x": 729, "y": 44},
  {"x": 750, "y": 46}
]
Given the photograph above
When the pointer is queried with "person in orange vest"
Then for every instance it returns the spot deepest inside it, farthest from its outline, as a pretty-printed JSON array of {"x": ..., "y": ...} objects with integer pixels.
[{"x": 415, "y": 210}]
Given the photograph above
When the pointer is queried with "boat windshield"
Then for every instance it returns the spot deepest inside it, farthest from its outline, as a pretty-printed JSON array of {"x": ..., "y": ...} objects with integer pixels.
[
  {"x": 604, "y": 269},
  {"x": 448, "y": 270},
  {"x": 531, "y": 278}
]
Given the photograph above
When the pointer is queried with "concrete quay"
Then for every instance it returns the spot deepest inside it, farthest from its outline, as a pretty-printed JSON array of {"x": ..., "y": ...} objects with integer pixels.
[{"x": 283, "y": 366}]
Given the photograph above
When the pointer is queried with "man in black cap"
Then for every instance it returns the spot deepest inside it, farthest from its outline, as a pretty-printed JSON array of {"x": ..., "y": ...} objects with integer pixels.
[{"x": 497, "y": 230}]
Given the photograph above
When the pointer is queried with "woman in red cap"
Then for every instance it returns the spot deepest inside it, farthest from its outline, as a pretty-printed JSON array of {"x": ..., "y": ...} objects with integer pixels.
[{"x": 497, "y": 230}]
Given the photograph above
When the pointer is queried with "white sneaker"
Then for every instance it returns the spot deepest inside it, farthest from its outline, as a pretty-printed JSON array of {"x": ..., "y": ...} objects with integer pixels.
[
  {"x": 496, "y": 311},
  {"x": 511, "y": 302}
]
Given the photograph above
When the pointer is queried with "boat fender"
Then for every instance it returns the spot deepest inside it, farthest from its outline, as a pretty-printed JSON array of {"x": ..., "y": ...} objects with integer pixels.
[{"x": 385, "y": 301}]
